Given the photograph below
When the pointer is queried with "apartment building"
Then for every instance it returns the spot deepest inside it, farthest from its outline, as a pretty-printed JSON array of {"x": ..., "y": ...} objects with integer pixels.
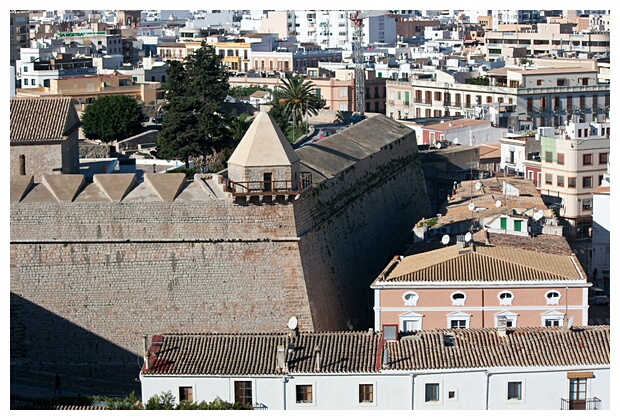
[
  {"x": 601, "y": 229},
  {"x": 574, "y": 162},
  {"x": 521, "y": 98},
  {"x": 100, "y": 42},
  {"x": 45, "y": 67},
  {"x": 20, "y": 34},
  {"x": 337, "y": 91},
  {"x": 84, "y": 89},
  {"x": 547, "y": 38}
]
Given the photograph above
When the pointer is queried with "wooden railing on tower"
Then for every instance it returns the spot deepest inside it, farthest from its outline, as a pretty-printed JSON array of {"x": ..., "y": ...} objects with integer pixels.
[{"x": 273, "y": 187}]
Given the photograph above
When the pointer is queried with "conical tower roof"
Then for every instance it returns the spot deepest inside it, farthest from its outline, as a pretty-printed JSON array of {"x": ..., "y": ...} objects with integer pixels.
[{"x": 263, "y": 144}]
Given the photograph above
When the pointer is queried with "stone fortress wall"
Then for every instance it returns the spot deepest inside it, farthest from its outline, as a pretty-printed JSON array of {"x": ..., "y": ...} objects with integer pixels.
[{"x": 94, "y": 272}]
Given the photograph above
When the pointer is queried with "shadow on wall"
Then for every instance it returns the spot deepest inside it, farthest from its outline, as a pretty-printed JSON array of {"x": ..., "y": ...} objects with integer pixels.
[{"x": 44, "y": 345}]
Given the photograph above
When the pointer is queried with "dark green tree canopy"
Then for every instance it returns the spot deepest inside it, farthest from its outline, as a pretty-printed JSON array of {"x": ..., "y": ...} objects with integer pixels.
[
  {"x": 193, "y": 124},
  {"x": 110, "y": 118}
]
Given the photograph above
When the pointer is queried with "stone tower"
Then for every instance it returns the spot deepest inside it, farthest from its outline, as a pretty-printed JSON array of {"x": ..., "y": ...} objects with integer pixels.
[{"x": 264, "y": 163}]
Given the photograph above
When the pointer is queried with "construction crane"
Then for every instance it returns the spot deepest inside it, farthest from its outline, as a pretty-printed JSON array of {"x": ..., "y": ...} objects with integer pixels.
[{"x": 358, "y": 21}]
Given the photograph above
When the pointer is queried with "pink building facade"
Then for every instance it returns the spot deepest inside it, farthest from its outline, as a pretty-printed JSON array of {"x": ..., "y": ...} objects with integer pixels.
[{"x": 453, "y": 287}]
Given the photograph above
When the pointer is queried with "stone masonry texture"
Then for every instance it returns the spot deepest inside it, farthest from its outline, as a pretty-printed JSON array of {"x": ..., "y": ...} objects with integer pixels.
[{"x": 90, "y": 278}]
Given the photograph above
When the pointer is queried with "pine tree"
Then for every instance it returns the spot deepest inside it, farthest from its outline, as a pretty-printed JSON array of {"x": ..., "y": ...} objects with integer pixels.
[{"x": 193, "y": 124}]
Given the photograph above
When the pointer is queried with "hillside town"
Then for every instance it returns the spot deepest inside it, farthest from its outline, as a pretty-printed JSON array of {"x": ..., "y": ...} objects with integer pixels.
[{"x": 310, "y": 209}]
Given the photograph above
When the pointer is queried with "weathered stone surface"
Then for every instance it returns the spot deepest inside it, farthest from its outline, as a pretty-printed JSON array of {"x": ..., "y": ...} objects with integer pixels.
[
  {"x": 167, "y": 186},
  {"x": 97, "y": 275},
  {"x": 64, "y": 187},
  {"x": 115, "y": 186},
  {"x": 20, "y": 185}
]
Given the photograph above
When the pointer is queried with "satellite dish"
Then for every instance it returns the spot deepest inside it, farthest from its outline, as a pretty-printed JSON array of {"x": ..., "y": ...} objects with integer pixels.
[
  {"x": 478, "y": 185},
  {"x": 570, "y": 323},
  {"x": 445, "y": 239},
  {"x": 498, "y": 203},
  {"x": 455, "y": 141},
  {"x": 538, "y": 215},
  {"x": 438, "y": 145},
  {"x": 468, "y": 237},
  {"x": 471, "y": 207},
  {"x": 292, "y": 323}
]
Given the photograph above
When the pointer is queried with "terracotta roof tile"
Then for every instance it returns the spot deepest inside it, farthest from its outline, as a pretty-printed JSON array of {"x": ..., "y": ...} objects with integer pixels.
[
  {"x": 256, "y": 354},
  {"x": 349, "y": 352},
  {"x": 484, "y": 263},
  {"x": 480, "y": 348},
  {"x": 41, "y": 119}
]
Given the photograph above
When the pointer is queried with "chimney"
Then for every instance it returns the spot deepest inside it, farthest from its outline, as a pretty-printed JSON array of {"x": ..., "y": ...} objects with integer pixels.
[
  {"x": 146, "y": 354},
  {"x": 317, "y": 358},
  {"x": 281, "y": 359},
  {"x": 501, "y": 326}
]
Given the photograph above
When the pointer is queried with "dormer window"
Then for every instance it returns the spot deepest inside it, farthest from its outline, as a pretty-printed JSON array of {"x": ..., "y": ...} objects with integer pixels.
[
  {"x": 553, "y": 297},
  {"x": 458, "y": 299},
  {"x": 505, "y": 298},
  {"x": 410, "y": 299}
]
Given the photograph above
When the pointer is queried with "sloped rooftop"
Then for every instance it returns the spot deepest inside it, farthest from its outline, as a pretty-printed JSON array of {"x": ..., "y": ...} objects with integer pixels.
[
  {"x": 263, "y": 144},
  {"x": 339, "y": 151},
  {"x": 353, "y": 352},
  {"x": 42, "y": 119},
  {"x": 483, "y": 264}
]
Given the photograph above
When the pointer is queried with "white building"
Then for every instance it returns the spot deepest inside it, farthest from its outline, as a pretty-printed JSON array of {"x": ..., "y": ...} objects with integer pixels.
[
  {"x": 601, "y": 228},
  {"x": 448, "y": 369}
]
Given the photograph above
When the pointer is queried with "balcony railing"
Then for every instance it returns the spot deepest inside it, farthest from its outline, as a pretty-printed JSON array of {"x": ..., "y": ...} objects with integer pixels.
[
  {"x": 274, "y": 187},
  {"x": 587, "y": 404}
]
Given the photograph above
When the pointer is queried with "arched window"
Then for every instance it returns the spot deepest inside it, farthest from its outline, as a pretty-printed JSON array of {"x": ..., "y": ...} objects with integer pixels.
[
  {"x": 410, "y": 298},
  {"x": 458, "y": 298},
  {"x": 505, "y": 298},
  {"x": 553, "y": 297}
]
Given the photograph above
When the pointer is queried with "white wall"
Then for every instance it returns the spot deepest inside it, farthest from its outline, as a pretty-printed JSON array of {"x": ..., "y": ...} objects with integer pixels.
[{"x": 542, "y": 389}]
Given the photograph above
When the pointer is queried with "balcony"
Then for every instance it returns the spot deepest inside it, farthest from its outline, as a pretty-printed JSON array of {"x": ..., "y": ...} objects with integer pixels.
[
  {"x": 269, "y": 188},
  {"x": 587, "y": 404}
]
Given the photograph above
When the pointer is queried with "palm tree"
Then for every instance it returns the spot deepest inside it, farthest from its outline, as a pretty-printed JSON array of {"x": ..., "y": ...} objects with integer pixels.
[{"x": 297, "y": 97}]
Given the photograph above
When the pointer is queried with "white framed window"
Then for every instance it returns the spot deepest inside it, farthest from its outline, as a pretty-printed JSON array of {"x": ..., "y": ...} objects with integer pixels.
[
  {"x": 505, "y": 298},
  {"x": 515, "y": 391},
  {"x": 458, "y": 298},
  {"x": 367, "y": 394},
  {"x": 243, "y": 391},
  {"x": 410, "y": 298},
  {"x": 511, "y": 318},
  {"x": 410, "y": 321},
  {"x": 304, "y": 394},
  {"x": 552, "y": 319},
  {"x": 552, "y": 297},
  {"x": 186, "y": 393},
  {"x": 431, "y": 392},
  {"x": 458, "y": 320}
]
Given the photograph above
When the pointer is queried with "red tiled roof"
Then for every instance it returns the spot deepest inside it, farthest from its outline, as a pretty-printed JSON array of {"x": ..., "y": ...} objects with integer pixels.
[
  {"x": 480, "y": 348},
  {"x": 601, "y": 189},
  {"x": 485, "y": 263},
  {"x": 349, "y": 352}
]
